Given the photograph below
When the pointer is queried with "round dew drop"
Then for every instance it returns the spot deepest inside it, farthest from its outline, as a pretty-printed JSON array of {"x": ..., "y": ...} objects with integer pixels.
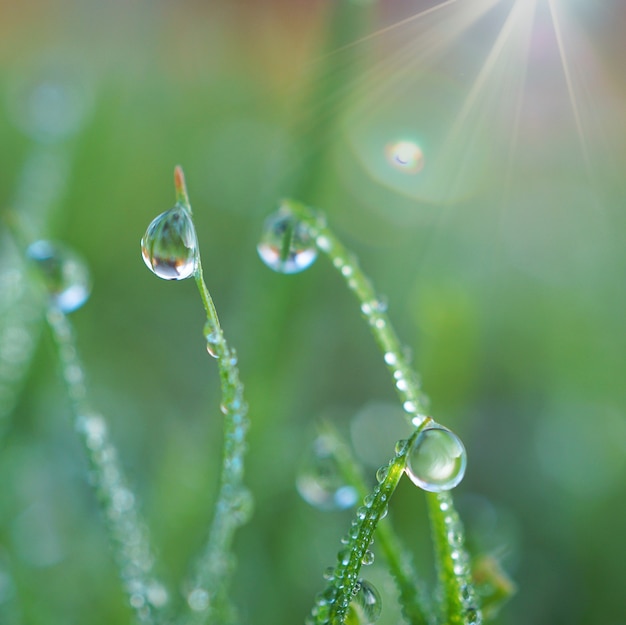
[
  {"x": 65, "y": 274},
  {"x": 170, "y": 246},
  {"x": 437, "y": 459},
  {"x": 366, "y": 605},
  {"x": 286, "y": 245}
]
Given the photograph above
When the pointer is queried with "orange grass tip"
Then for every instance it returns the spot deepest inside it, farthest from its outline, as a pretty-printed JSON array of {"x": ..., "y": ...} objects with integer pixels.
[{"x": 180, "y": 186}]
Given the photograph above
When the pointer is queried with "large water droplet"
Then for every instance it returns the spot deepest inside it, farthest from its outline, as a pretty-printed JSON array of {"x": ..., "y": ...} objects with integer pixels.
[
  {"x": 65, "y": 274},
  {"x": 366, "y": 605},
  {"x": 436, "y": 460},
  {"x": 320, "y": 482},
  {"x": 170, "y": 246},
  {"x": 286, "y": 245}
]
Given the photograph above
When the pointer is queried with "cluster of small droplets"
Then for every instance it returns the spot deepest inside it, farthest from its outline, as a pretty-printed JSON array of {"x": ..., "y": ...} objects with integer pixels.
[
  {"x": 343, "y": 579},
  {"x": 128, "y": 533},
  {"x": 235, "y": 503},
  {"x": 72, "y": 370},
  {"x": 460, "y": 563},
  {"x": 374, "y": 309}
]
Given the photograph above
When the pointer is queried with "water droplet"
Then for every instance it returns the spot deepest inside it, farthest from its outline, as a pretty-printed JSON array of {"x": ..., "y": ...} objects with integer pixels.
[
  {"x": 65, "y": 274},
  {"x": 390, "y": 358},
  {"x": 418, "y": 419},
  {"x": 52, "y": 102},
  {"x": 401, "y": 446},
  {"x": 329, "y": 573},
  {"x": 366, "y": 604},
  {"x": 323, "y": 243},
  {"x": 170, "y": 246},
  {"x": 405, "y": 156},
  {"x": 382, "y": 472},
  {"x": 286, "y": 245},
  {"x": 242, "y": 505},
  {"x": 344, "y": 556},
  {"x": 368, "y": 558},
  {"x": 157, "y": 594},
  {"x": 213, "y": 339},
  {"x": 361, "y": 513},
  {"x": 437, "y": 459},
  {"x": 198, "y": 599},
  {"x": 320, "y": 482}
]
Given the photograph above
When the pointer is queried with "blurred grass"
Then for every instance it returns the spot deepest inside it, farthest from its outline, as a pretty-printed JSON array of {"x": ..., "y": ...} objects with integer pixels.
[{"x": 510, "y": 295}]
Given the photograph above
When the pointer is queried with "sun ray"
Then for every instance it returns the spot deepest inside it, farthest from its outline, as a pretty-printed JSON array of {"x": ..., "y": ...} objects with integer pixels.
[
  {"x": 556, "y": 22},
  {"x": 392, "y": 27},
  {"x": 518, "y": 23}
]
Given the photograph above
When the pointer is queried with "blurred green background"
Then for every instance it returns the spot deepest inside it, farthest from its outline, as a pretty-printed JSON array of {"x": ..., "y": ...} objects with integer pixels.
[{"x": 502, "y": 259}]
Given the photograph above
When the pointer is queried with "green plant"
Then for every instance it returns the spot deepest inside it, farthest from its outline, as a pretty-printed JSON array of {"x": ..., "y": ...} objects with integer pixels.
[{"x": 432, "y": 457}]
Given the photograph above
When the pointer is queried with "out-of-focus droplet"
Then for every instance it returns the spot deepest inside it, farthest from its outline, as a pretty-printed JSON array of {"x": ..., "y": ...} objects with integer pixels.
[
  {"x": 65, "y": 274},
  {"x": 366, "y": 605},
  {"x": 170, "y": 246},
  {"x": 198, "y": 599},
  {"x": 405, "y": 156},
  {"x": 320, "y": 482},
  {"x": 437, "y": 459},
  {"x": 51, "y": 103},
  {"x": 286, "y": 245},
  {"x": 242, "y": 505}
]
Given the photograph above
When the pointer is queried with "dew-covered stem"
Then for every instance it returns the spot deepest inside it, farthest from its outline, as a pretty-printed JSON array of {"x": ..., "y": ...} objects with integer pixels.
[
  {"x": 373, "y": 307},
  {"x": 413, "y": 600},
  {"x": 458, "y": 596},
  {"x": 206, "y": 589},
  {"x": 128, "y": 535},
  {"x": 332, "y": 604},
  {"x": 459, "y": 605}
]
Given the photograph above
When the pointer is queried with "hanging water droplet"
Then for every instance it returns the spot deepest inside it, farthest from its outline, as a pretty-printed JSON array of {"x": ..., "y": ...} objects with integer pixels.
[
  {"x": 368, "y": 558},
  {"x": 65, "y": 274},
  {"x": 382, "y": 472},
  {"x": 437, "y": 459},
  {"x": 401, "y": 446},
  {"x": 212, "y": 337},
  {"x": 286, "y": 245},
  {"x": 320, "y": 482},
  {"x": 366, "y": 605},
  {"x": 405, "y": 156},
  {"x": 170, "y": 246},
  {"x": 329, "y": 573}
]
